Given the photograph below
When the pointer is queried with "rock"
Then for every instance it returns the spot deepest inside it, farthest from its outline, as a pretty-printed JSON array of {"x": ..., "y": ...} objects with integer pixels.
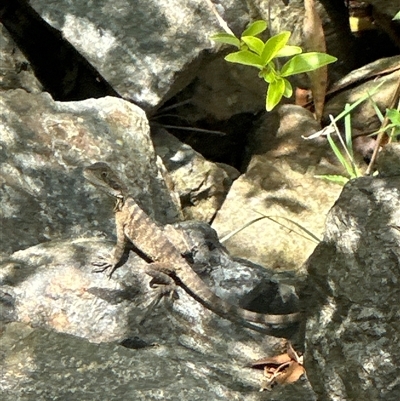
[
  {"x": 280, "y": 183},
  {"x": 388, "y": 160},
  {"x": 52, "y": 285},
  {"x": 223, "y": 90},
  {"x": 351, "y": 294},
  {"x": 383, "y": 15},
  {"x": 51, "y": 288},
  {"x": 146, "y": 51},
  {"x": 60, "y": 68},
  {"x": 289, "y": 16},
  {"x": 39, "y": 363},
  {"x": 201, "y": 185},
  {"x": 45, "y": 144},
  {"x": 391, "y": 7},
  {"x": 16, "y": 72},
  {"x": 364, "y": 120}
]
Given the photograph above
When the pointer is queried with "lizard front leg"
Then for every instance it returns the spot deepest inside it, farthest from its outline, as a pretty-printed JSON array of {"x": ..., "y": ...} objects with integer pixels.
[{"x": 116, "y": 257}]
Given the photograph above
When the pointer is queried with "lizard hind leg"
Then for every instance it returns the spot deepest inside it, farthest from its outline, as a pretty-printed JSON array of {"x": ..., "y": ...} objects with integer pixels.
[
  {"x": 162, "y": 283},
  {"x": 163, "y": 286}
]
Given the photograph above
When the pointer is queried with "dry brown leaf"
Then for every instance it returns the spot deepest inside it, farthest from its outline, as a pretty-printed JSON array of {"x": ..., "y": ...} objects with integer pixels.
[
  {"x": 302, "y": 97},
  {"x": 274, "y": 360},
  {"x": 293, "y": 354},
  {"x": 314, "y": 39},
  {"x": 281, "y": 369},
  {"x": 290, "y": 375}
]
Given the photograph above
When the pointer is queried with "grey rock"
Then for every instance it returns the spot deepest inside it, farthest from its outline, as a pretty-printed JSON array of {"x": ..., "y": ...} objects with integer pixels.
[
  {"x": 61, "y": 69},
  {"x": 351, "y": 296},
  {"x": 364, "y": 120},
  {"x": 289, "y": 16},
  {"x": 45, "y": 365},
  {"x": 389, "y": 160},
  {"x": 177, "y": 349},
  {"x": 15, "y": 70},
  {"x": 45, "y": 144},
  {"x": 279, "y": 183},
  {"x": 201, "y": 185},
  {"x": 223, "y": 90},
  {"x": 53, "y": 285},
  {"x": 146, "y": 51}
]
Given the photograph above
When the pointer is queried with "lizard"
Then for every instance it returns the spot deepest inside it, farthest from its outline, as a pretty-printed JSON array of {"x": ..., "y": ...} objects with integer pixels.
[{"x": 134, "y": 226}]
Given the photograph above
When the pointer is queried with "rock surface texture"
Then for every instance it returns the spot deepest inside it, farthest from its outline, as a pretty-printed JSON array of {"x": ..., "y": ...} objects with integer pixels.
[
  {"x": 280, "y": 183},
  {"x": 352, "y": 295},
  {"x": 139, "y": 47},
  {"x": 71, "y": 76},
  {"x": 45, "y": 144},
  {"x": 172, "y": 351},
  {"x": 44, "y": 365}
]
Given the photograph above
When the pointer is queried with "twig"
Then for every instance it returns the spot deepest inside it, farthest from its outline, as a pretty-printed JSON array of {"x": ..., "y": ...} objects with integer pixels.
[{"x": 221, "y": 21}]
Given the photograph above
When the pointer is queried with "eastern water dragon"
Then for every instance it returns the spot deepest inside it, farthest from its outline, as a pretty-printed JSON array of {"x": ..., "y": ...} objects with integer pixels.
[{"x": 135, "y": 226}]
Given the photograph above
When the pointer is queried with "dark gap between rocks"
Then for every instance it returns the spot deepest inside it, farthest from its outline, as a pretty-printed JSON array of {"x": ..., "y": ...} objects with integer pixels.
[
  {"x": 219, "y": 141},
  {"x": 60, "y": 68}
]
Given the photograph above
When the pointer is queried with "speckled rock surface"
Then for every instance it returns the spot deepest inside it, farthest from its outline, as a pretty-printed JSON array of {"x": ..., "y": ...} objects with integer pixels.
[
  {"x": 38, "y": 364},
  {"x": 201, "y": 185},
  {"x": 44, "y": 146},
  {"x": 352, "y": 294},
  {"x": 52, "y": 305},
  {"x": 280, "y": 183},
  {"x": 15, "y": 71},
  {"x": 53, "y": 285},
  {"x": 141, "y": 48}
]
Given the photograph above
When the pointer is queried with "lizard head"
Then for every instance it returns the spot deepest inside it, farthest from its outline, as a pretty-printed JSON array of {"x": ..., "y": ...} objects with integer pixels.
[{"x": 102, "y": 176}]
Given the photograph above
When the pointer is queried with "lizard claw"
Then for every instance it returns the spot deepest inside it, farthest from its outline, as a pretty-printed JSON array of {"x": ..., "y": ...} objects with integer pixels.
[
  {"x": 163, "y": 284},
  {"x": 160, "y": 293},
  {"x": 165, "y": 291},
  {"x": 102, "y": 267}
]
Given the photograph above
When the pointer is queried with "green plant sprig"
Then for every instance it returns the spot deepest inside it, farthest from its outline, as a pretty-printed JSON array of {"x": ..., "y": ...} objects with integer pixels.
[
  {"x": 345, "y": 157},
  {"x": 254, "y": 52},
  {"x": 392, "y": 115}
]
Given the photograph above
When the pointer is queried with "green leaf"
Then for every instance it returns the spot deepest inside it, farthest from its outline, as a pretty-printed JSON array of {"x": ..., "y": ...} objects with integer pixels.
[
  {"x": 274, "y": 45},
  {"x": 268, "y": 73},
  {"x": 288, "y": 51},
  {"x": 347, "y": 130},
  {"x": 288, "y": 88},
  {"x": 226, "y": 38},
  {"x": 245, "y": 57},
  {"x": 306, "y": 62},
  {"x": 254, "y": 44},
  {"x": 359, "y": 101},
  {"x": 397, "y": 16},
  {"x": 255, "y": 28},
  {"x": 377, "y": 110},
  {"x": 338, "y": 179},
  {"x": 274, "y": 93},
  {"x": 341, "y": 158},
  {"x": 394, "y": 116}
]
